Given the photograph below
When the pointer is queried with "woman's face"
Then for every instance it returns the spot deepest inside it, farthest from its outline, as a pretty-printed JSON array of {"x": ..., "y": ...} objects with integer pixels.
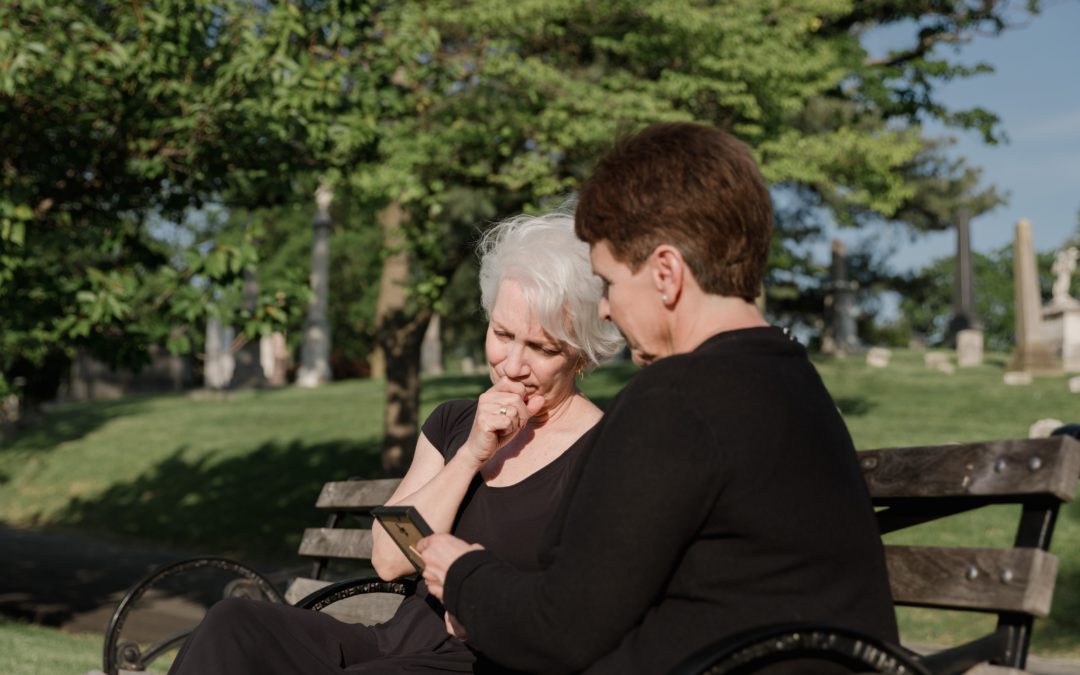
[
  {"x": 632, "y": 302},
  {"x": 519, "y": 349}
]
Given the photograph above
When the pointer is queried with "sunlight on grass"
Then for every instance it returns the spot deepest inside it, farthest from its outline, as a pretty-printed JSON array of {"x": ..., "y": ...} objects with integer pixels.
[
  {"x": 238, "y": 473},
  {"x": 35, "y": 650}
]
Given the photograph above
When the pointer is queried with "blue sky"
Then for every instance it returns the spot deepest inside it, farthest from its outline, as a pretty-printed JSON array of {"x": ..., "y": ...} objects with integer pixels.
[{"x": 1035, "y": 90}]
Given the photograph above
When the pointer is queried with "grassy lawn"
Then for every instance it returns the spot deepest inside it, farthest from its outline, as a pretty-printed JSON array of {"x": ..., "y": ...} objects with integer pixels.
[
  {"x": 238, "y": 474},
  {"x": 26, "y": 649}
]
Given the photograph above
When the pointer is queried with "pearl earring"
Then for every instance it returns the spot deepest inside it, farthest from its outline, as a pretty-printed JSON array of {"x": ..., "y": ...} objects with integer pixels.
[{"x": 663, "y": 298}]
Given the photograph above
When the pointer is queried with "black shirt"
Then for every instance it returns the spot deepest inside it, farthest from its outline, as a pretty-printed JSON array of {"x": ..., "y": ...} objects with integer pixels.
[{"x": 719, "y": 492}]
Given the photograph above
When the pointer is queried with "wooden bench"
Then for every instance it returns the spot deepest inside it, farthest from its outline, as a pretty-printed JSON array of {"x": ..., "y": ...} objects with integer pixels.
[
  {"x": 916, "y": 486},
  {"x": 909, "y": 486}
]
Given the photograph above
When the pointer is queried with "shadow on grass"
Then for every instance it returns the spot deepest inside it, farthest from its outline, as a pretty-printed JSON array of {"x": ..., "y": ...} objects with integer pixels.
[
  {"x": 255, "y": 505},
  {"x": 854, "y": 406},
  {"x": 67, "y": 423},
  {"x": 252, "y": 508}
]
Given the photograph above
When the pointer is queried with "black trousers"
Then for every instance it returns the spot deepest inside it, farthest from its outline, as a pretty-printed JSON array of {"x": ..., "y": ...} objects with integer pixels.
[{"x": 239, "y": 636}]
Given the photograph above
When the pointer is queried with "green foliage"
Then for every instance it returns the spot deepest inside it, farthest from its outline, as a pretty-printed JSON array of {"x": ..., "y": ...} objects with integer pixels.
[
  {"x": 513, "y": 103},
  {"x": 117, "y": 115}
]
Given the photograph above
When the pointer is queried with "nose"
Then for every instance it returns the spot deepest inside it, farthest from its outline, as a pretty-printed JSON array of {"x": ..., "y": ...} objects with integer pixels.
[
  {"x": 605, "y": 310},
  {"x": 516, "y": 365}
]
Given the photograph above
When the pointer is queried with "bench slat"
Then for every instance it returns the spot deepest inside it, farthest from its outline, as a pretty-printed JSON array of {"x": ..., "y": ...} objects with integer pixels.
[
  {"x": 356, "y": 495},
  {"x": 1016, "y": 467},
  {"x": 324, "y": 542},
  {"x": 1011, "y": 580}
]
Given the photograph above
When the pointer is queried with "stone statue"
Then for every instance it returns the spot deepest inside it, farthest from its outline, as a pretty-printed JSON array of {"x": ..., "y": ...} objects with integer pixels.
[{"x": 1064, "y": 266}]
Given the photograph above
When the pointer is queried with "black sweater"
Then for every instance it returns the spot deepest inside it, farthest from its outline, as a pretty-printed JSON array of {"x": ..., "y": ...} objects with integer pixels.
[{"x": 720, "y": 492}]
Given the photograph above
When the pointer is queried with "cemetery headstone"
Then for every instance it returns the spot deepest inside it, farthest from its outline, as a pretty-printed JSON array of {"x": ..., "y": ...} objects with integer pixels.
[
  {"x": 1043, "y": 428},
  {"x": 969, "y": 348},
  {"x": 878, "y": 357},
  {"x": 1061, "y": 318},
  {"x": 1032, "y": 353}
]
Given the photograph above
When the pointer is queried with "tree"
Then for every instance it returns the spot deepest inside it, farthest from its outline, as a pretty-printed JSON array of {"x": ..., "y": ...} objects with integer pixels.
[
  {"x": 117, "y": 115},
  {"x": 509, "y": 104}
]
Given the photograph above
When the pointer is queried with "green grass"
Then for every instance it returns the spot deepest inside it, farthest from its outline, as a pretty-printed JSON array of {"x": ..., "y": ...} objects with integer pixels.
[
  {"x": 238, "y": 475},
  {"x": 26, "y": 649}
]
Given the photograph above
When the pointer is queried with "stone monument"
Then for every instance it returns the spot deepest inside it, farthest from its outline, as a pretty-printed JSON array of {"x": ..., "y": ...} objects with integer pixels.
[
  {"x": 969, "y": 348},
  {"x": 1032, "y": 353},
  {"x": 965, "y": 329},
  {"x": 315, "y": 352},
  {"x": 841, "y": 336},
  {"x": 219, "y": 363},
  {"x": 1061, "y": 318},
  {"x": 431, "y": 348}
]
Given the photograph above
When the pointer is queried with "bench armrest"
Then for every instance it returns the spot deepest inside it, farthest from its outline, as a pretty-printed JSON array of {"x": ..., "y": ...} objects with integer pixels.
[
  {"x": 328, "y": 595},
  {"x": 754, "y": 649}
]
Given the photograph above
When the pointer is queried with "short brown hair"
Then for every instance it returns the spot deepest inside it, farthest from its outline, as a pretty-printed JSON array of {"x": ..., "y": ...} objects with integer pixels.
[{"x": 692, "y": 186}]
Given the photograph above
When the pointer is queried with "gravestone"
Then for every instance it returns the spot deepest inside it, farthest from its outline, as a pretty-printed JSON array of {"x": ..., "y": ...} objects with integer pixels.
[
  {"x": 1032, "y": 353},
  {"x": 878, "y": 357},
  {"x": 274, "y": 358},
  {"x": 841, "y": 336},
  {"x": 1061, "y": 318},
  {"x": 969, "y": 348},
  {"x": 963, "y": 317}
]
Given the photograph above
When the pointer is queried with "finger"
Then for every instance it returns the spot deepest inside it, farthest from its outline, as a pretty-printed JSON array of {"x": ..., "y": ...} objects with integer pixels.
[
  {"x": 536, "y": 402},
  {"x": 505, "y": 384}
]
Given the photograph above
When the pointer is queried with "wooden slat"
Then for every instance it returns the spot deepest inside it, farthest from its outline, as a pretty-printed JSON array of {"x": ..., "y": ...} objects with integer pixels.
[
  {"x": 366, "y": 609},
  {"x": 323, "y": 542},
  {"x": 1017, "y": 467},
  {"x": 356, "y": 495},
  {"x": 1012, "y": 580}
]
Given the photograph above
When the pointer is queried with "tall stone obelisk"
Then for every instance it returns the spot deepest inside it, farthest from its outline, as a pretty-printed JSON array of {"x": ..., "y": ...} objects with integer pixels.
[
  {"x": 963, "y": 316},
  {"x": 841, "y": 335},
  {"x": 1031, "y": 354},
  {"x": 315, "y": 353}
]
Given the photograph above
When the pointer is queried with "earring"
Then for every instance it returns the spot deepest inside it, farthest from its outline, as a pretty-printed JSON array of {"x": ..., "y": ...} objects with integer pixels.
[{"x": 664, "y": 298}]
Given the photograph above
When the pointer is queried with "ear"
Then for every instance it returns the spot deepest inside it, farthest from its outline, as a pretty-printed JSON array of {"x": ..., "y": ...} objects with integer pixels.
[{"x": 668, "y": 273}]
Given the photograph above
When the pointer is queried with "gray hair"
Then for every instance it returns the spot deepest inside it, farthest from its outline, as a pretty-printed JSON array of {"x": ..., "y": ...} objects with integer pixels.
[{"x": 544, "y": 256}]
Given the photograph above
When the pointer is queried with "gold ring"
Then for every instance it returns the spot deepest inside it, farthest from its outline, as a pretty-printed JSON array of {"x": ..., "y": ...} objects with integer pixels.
[{"x": 502, "y": 410}]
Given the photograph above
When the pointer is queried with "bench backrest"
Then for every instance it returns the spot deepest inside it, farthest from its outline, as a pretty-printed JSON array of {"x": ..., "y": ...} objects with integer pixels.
[
  {"x": 916, "y": 485},
  {"x": 346, "y": 536}
]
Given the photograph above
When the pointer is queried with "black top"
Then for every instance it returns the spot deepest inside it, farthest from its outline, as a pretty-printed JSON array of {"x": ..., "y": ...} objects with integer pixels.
[
  {"x": 720, "y": 492},
  {"x": 507, "y": 521}
]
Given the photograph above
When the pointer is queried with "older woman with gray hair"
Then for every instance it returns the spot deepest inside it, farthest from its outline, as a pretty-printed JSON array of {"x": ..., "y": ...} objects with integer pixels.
[{"x": 490, "y": 471}]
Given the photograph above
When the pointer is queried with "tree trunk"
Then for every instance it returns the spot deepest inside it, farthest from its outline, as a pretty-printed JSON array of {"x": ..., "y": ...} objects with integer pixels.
[
  {"x": 315, "y": 354},
  {"x": 394, "y": 279},
  {"x": 397, "y": 353},
  {"x": 400, "y": 338}
]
